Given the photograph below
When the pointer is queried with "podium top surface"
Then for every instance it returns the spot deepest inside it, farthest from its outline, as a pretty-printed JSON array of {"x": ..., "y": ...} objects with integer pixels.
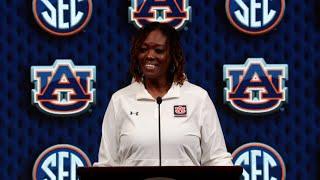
[{"x": 163, "y": 172}]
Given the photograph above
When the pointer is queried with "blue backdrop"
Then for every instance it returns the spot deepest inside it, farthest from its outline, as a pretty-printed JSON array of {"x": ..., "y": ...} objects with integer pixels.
[{"x": 210, "y": 41}]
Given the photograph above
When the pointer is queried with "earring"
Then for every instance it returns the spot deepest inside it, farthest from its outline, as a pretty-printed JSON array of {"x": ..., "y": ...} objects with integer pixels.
[
  {"x": 173, "y": 68},
  {"x": 138, "y": 70}
]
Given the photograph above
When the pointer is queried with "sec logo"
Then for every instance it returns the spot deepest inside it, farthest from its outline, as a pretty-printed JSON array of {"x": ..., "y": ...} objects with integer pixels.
[
  {"x": 62, "y": 17},
  {"x": 255, "y": 16},
  {"x": 255, "y": 87},
  {"x": 259, "y": 161},
  {"x": 175, "y": 12},
  {"x": 63, "y": 89},
  {"x": 59, "y": 162}
]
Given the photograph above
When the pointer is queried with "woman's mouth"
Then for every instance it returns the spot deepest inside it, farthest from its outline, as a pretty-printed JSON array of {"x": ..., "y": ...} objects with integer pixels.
[{"x": 150, "y": 66}]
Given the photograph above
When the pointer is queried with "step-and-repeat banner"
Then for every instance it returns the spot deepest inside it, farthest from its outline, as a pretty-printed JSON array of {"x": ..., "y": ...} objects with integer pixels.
[{"x": 63, "y": 59}]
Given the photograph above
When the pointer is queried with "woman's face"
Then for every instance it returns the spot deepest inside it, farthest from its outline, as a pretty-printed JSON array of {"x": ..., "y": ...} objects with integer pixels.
[{"x": 154, "y": 56}]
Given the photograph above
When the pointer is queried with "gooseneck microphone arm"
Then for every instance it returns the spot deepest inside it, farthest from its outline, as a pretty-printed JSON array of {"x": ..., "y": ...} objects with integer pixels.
[{"x": 159, "y": 101}]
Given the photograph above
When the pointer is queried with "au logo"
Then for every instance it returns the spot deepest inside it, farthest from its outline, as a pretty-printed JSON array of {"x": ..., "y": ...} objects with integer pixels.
[
  {"x": 255, "y": 16},
  {"x": 259, "y": 161},
  {"x": 63, "y": 89},
  {"x": 255, "y": 87},
  {"x": 62, "y": 17},
  {"x": 59, "y": 162},
  {"x": 175, "y": 12}
]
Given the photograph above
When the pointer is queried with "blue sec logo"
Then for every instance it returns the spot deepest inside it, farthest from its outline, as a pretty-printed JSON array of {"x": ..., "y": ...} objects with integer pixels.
[
  {"x": 259, "y": 161},
  {"x": 62, "y": 17},
  {"x": 59, "y": 162},
  {"x": 63, "y": 89},
  {"x": 255, "y": 16},
  {"x": 255, "y": 87},
  {"x": 175, "y": 12}
]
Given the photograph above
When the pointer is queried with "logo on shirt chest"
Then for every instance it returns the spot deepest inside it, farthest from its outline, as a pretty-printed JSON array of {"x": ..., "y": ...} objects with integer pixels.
[
  {"x": 134, "y": 113},
  {"x": 180, "y": 110}
]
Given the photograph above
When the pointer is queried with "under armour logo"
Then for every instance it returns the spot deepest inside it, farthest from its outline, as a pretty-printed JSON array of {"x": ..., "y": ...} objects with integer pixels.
[{"x": 136, "y": 113}]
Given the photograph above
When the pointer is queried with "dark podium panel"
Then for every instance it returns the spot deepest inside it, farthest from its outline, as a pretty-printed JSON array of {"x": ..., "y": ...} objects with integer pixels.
[{"x": 164, "y": 172}]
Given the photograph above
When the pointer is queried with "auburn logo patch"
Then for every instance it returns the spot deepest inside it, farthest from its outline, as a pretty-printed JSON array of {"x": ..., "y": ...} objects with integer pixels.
[{"x": 180, "y": 110}]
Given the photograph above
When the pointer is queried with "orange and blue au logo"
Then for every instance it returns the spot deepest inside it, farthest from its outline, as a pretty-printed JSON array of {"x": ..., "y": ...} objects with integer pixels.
[
  {"x": 175, "y": 12},
  {"x": 255, "y": 16},
  {"x": 63, "y": 89},
  {"x": 255, "y": 87},
  {"x": 62, "y": 17}
]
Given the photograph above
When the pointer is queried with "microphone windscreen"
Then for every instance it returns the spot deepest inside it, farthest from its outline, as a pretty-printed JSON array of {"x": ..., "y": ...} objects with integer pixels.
[{"x": 159, "y": 100}]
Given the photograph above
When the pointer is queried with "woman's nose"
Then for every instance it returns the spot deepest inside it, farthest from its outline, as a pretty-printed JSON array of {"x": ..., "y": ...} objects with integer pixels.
[{"x": 150, "y": 54}]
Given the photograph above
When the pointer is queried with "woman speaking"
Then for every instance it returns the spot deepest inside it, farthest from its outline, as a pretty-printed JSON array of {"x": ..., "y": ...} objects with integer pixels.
[{"x": 190, "y": 129}]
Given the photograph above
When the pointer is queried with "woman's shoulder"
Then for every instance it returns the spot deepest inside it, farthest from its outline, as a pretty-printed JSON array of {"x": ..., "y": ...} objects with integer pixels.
[
  {"x": 190, "y": 88},
  {"x": 127, "y": 91}
]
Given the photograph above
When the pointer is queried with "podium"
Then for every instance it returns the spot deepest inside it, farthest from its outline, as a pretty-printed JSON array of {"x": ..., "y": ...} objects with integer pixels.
[{"x": 163, "y": 172}]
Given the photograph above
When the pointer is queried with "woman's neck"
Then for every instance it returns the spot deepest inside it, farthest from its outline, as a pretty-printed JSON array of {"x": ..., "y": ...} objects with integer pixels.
[{"x": 157, "y": 88}]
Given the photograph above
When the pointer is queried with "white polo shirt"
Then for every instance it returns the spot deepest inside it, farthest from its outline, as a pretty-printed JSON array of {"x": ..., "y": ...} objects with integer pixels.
[{"x": 190, "y": 130}]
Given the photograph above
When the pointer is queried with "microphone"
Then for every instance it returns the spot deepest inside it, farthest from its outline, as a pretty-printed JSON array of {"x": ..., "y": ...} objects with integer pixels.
[{"x": 159, "y": 101}]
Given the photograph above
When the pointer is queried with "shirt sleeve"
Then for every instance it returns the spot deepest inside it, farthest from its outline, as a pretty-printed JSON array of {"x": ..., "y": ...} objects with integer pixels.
[
  {"x": 214, "y": 152},
  {"x": 108, "y": 152}
]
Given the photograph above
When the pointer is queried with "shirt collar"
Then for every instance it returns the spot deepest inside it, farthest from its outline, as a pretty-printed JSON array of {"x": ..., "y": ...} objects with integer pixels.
[{"x": 143, "y": 94}]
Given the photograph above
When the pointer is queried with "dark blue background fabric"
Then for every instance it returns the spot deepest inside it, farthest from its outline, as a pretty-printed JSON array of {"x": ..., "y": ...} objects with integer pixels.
[{"x": 209, "y": 42}]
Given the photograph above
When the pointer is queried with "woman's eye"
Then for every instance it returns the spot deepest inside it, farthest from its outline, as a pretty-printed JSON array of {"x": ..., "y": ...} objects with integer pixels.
[
  {"x": 160, "y": 51},
  {"x": 143, "y": 49}
]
